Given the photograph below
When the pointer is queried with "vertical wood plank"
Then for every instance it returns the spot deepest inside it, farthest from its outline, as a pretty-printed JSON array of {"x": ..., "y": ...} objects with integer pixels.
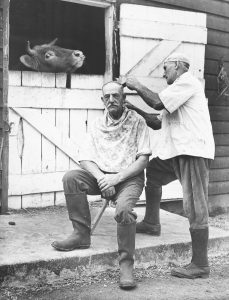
[
  {"x": 32, "y": 200},
  {"x": 31, "y": 160},
  {"x": 14, "y": 202},
  {"x": 48, "y": 151},
  {"x": 92, "y": 115},
  {"x": 14, "y": 158},
  {"x": 78, "y": 121},
  {"x": 62, "y": 123},
  {"x": 109, "y": 29},
  {"x": 60, "y": 198}
]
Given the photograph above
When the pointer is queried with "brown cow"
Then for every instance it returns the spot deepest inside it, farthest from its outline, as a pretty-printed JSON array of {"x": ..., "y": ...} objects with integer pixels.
[{"x": 52, "y": 58}]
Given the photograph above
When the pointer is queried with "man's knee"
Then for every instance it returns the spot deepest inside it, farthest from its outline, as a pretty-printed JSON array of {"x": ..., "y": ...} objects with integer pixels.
[
  {"x": 125, "y": 215},
  {"x": 72, "y": 181}
]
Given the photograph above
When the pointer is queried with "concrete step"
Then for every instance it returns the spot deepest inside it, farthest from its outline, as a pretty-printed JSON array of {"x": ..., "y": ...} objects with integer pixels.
[{"x": 25, "y": 251}]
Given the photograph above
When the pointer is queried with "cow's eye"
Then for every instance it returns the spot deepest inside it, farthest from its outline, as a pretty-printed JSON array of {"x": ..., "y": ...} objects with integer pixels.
[{"x": 49, "y": 54}]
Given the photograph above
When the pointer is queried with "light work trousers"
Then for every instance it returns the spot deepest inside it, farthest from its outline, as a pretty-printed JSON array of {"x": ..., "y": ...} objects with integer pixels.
[
  {"x": 193, "y": 174},
  {"x": 127, "y": 192}
]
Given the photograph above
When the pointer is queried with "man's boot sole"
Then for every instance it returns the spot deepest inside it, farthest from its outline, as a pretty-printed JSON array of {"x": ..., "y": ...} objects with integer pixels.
[
  {"x": 127, "y": 286},
  {"x": 71, "y": 249},
  {"x": 181, "y": 275},
  {"x": 149, "y": 232}
]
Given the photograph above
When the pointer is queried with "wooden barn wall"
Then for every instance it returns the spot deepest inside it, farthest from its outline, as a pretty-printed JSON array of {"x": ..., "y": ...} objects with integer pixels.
[{"x": 217, "y": 47}]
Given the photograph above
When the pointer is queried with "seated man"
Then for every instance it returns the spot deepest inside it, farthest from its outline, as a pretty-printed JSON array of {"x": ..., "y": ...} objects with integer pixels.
[{"x": 116, "y": 153}]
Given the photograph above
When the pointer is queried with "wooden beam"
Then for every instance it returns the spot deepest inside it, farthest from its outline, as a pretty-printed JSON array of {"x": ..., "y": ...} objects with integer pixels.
[
  {"x": 109, "y": 36},
  {"x": 154, "y": 30},
  {"x": 38, "y": 97},
  {"x": 98, "y": 3},
  {"x": 153, "y": 58},
  {"x": 35, "y": 183}
]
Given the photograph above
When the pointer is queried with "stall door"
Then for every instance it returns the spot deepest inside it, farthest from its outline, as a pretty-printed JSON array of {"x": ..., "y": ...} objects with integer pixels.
[{"x": 147, "y": 36}]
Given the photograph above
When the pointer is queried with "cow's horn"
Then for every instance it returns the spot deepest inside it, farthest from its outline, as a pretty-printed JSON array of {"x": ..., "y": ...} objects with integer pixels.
[
  {"x": 29, "y": 50},
  {"x": 53, "y": 42}
]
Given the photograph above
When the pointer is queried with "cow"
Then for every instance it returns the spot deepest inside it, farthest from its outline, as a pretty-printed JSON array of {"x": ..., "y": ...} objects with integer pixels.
[{"x": 52, "y": 58}]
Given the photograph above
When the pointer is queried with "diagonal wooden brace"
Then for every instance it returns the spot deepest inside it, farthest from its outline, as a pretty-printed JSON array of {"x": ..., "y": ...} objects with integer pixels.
[{"x": 99, "y": 215}]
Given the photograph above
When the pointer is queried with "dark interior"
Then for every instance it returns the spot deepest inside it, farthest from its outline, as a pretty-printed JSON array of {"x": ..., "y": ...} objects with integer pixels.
[{"x": 76, "y": 26}]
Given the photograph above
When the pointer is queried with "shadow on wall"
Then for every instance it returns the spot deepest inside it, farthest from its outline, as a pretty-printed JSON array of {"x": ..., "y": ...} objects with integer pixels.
[{"x": 77, "y": 27}]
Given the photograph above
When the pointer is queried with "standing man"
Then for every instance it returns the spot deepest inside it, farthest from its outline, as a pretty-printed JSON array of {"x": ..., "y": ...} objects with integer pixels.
[
  {"x": 185, "y": 150},
  {"x": 112, "y": 161}
]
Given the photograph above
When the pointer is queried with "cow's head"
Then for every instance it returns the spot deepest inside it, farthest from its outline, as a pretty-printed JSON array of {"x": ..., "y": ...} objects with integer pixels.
[{"x": 52, "y": 58}]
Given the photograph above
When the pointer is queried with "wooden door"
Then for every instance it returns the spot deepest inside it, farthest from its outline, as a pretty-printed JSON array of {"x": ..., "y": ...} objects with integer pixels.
[{"x": 147, "y": 36}]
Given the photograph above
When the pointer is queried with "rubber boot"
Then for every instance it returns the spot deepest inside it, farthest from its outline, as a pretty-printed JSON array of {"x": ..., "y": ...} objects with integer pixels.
[
  {"x": 151, "y": 222},
  {"x": 199, "y": 267},
  {"x": 79, "y": 214},
  {"x": 126, "y": 247}
]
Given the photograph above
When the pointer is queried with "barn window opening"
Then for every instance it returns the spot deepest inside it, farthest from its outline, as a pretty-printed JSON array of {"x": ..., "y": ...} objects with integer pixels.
[{"x": 76, "y": 26}]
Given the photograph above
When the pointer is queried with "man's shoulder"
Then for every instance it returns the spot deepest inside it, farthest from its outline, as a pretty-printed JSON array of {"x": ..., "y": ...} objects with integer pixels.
[{"x": 133, "y": 114}]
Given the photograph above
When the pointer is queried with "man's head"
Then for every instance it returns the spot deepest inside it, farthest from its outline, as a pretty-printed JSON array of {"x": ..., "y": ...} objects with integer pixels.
[
  {"x": 175, "y": 65},
  {"x": 113, "y": 98}
]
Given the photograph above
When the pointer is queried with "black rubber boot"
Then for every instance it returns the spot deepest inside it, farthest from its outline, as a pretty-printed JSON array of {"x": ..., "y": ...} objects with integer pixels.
[
  {"x": 79, "y": 214},
  {"x": 199, "y": 267},
  {"x": 126, "y": 247},
  {"x": 151, "y": 222}
]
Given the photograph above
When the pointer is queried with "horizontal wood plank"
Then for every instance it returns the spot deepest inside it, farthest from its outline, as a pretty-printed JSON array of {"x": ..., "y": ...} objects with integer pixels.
[
  {"x": 155, "y": 30},
  {"x": 214, "y": 99},
  {"x": 220, "y": 163},
  {"x": 219, "y": 113},
  {"x": 216, "y": 188},
  {"x": 220, "y": 127},
  {"x": 219, "y": 175},
  {"x": 215, "y": 52},
  {"x": 221, "y": 139},
  {"x": 222, "y": 151},
  {"x": 217, "y": 23},
  {"x": 215, "y": 7},
  {"x": 218, "y": 38},
  {"x": 35, "y": 183},
  {"x": 212, "y": 67},
  {"x": 98, "y": 3},
  {"x": 37, "y": 97},
  {"x": 162, "y": 15}
]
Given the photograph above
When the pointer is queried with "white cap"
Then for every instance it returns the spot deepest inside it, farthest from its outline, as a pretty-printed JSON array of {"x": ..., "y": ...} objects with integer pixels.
[{"x": 176, "y": 56}]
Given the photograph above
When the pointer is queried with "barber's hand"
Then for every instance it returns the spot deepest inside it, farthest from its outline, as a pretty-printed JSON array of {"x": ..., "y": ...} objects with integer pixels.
[
  {"x": 132, "y": 82},
  {"x": 108, "y": 180},
  {"x": 108, "y": 193}
]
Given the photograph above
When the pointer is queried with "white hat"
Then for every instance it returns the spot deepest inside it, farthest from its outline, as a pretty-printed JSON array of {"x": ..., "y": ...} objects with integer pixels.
[{"x": 176, "y": 56}]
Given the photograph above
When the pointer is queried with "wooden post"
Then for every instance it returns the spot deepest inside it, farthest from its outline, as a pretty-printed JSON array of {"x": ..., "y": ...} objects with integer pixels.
[
  {"x": 109, "y": 29},
  {"x": 4, "y": 45}
]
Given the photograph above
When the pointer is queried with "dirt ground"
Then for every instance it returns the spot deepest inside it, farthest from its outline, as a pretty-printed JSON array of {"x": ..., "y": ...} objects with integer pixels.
[{"x": 154, "y": 283}]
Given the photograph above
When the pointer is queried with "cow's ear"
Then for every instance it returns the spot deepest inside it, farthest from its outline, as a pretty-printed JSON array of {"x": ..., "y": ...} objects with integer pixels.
[{"x": 28, "y": 61}]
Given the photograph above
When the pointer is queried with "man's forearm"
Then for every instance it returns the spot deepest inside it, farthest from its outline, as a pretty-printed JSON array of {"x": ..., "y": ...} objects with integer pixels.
[
  {"x": 92, "y": 168},
  {"x": 151, "y": 98},
  {"x": 151, "y": 119},
  {"x": 136, "y": 168}
]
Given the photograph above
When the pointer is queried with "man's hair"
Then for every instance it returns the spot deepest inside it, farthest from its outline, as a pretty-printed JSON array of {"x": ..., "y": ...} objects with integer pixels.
[{"x": 115, "y": 82}]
